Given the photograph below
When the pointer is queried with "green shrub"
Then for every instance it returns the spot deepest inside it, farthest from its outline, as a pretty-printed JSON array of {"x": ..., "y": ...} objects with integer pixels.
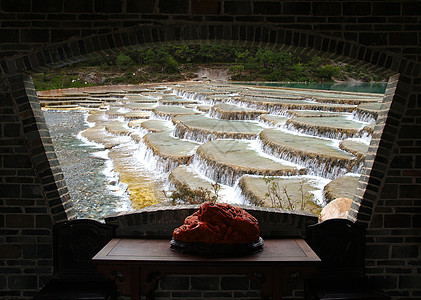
[
  {"x": 237, "y": 69},
  {"x": 328, "y": 72},
  {"x": 171, "y": 65},
  {"x": 299, "y": 73},
  {"x": 124, "y": 60}
]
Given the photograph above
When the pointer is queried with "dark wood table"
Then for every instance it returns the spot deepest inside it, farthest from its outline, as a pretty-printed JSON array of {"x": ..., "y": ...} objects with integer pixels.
[{"x": 137, "y": 265}]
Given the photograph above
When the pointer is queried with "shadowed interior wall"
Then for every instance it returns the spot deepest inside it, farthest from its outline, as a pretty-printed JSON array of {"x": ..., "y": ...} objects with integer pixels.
[{"x": 37, "y": 35}]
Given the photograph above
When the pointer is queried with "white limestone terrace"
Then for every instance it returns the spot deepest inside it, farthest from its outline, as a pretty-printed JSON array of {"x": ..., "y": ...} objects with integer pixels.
[{"x": 200, "y": 133}]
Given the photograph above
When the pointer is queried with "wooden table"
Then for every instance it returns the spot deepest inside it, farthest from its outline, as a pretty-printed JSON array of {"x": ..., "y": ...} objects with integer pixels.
[{"x": 137, "y": 265}]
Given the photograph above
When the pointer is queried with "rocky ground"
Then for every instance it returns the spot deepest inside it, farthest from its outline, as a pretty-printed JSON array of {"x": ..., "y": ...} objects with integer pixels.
[{"x": 87, "y": 185}]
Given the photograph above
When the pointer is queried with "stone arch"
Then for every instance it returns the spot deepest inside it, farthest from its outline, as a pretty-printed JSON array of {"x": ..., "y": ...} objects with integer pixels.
[{"x": 265, "y": 36}]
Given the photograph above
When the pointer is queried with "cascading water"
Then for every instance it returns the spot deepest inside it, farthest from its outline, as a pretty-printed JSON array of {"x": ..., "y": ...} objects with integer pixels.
[
  {"x": 153, "y": 162},
  {"x": 115, "y": 186},
  {"x": 189, "y": 95},
  {"x": 215, "y": 173},
  {"x": 315, "y": 132},
  {"x": 155, "y": 116},
  {"x": 321, "y": 168},
  {"x": 363, "y": 117},
  {"x": 316, "y": 166},
  {"x": 197, "y": 136}
]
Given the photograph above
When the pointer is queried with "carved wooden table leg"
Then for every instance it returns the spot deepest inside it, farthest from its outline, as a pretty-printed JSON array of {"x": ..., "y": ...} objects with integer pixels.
[
  {"x": 149, "y": 279},
  {"x": 135, "y": 288}
]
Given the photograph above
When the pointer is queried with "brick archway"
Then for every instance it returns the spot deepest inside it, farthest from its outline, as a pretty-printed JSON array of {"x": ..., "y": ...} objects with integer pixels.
[
  {"x": 241, "y": 35},
  {"x": 262, "y": 36}
]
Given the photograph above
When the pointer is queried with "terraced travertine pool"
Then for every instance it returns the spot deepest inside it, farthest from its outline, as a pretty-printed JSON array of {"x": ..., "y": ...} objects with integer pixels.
[{"x": 160, "y": 136}]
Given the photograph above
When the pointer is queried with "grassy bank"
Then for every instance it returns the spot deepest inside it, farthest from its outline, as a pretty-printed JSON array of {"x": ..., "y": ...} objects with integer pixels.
[{"x": 176, "y": 63}]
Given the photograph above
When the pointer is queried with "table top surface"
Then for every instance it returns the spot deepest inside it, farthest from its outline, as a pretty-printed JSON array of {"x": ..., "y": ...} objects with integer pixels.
[{"x": 155, "y": 251}]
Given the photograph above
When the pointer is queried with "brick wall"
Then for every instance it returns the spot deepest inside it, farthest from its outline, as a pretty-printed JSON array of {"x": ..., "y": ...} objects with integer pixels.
[
  {"x": 391, "y": 207},
  {"x": 207, "y": 287},
  {"x": 159, "y": 222},
  {"x": 32, "y": 191},
  {"x": 391, "y": 25},
  {"x": 41, "y": 34}
]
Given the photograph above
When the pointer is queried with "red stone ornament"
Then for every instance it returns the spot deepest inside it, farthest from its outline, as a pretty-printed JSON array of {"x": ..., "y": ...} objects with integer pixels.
[{"x": 216, "y": 225}]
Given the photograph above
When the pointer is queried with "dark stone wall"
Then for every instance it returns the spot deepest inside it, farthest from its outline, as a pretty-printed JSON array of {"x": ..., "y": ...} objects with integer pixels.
[
  {"x": 160, "y": 222},
  {"x": 33, "y": 194},
  {"x": 391, "y": 25},
  {"x": 40, "y": 34},
  {"x": 388, "y": 196}
]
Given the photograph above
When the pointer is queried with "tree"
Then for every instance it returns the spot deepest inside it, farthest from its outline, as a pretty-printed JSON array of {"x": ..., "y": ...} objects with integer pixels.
[
  {"x": 299, "y": 73},
  {"x": 184, "y": 54},
  {"x": 326, "y": 72},
  {"x": 123, "y": 60},
  {"x": 170, "y": 64},
  {"x": 149, "y": 57}
]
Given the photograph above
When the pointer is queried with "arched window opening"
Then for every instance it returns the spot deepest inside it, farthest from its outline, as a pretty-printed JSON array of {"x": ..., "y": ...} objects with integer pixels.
[{"x": 177, "y": 142}]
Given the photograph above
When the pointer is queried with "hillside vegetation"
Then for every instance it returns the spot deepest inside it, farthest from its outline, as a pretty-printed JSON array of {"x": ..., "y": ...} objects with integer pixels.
[{"x": 175, "y": 63}]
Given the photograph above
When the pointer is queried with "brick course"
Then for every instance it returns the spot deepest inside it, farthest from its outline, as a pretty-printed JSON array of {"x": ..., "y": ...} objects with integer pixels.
[{"x": 380, "y": 35}]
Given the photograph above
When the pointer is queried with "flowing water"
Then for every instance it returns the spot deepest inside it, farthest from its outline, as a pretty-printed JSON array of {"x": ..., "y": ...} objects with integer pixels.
[
  {"x": 109, "y": 167},
  {"x": 93, "y": 185}
]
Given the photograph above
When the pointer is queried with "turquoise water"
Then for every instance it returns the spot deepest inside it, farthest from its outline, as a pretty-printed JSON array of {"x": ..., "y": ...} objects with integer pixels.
[{"x": 376, "y": 87}]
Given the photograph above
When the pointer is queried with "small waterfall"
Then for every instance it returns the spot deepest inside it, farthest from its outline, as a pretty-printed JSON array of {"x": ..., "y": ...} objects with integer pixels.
[
  {"x": 87, "y": 142},
  {"x": 258, "y": 147},
  {"x": 154, "y": 162},
  {"x": 215, "y": 173},
  {"x": 318, "y": 192},
  {"x": 214, "y": 101},
  {"x": 140, "y": 131},
  {"x": 244, "y": 198},
  {"x": 240, "y": 115},
  {"x": 182, "y": 132},
  {"x": 155, "y": 116},
  {"x": 268, "y": 124},
  {"x": 240, "y": 196},
  {"x": 231, "y": 195},
  {"x": 202, "y": 136},
  {"x": 114, "y": 185},
  {"x": 362, "y": 116},
  {"x": 326, "y": 168},
  {"x": 337, "y": 135},
  {"x": 365, "y": 137},
  {"x": 85, "y": 119},
  {"x": 274, "y": 109},
  {"x": 214, "y": 113},
  {"x": 189, "y": 95},
  {"x": 237, "y": 101}
]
